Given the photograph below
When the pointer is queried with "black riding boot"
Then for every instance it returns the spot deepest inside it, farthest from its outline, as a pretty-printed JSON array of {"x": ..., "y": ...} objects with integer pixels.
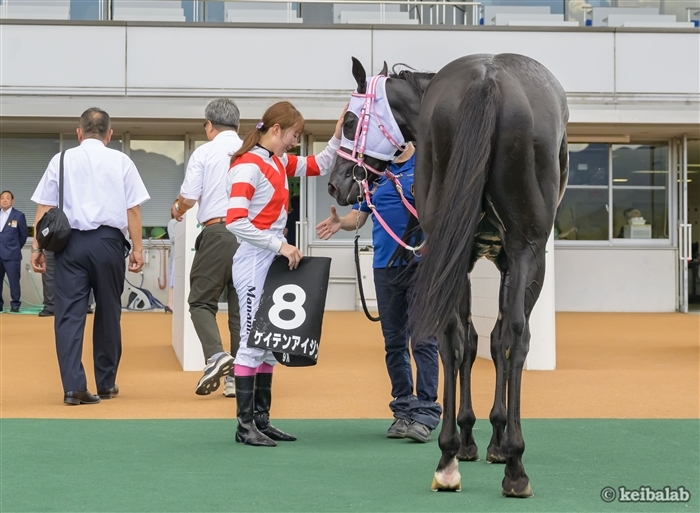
[
  {"x": 247, "y": 432},
  {"x": 263, "y": 400}
]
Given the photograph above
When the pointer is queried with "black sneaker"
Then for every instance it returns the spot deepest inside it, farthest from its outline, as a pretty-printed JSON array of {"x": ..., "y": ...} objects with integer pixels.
[
  {"x": 397, "y": 429},
  {"x": 45, "y": 313},
  {"x": 419, "y": 432},
  {"x": 216, "y": 368}
]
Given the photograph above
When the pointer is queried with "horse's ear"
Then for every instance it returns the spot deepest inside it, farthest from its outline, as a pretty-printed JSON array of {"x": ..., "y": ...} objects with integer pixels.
[
  {"x": 358, "y": 71},
  {"x": 385, "y": 70}
]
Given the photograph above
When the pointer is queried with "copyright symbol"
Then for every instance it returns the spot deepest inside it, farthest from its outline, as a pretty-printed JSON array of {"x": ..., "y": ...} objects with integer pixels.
[{"x": 608, "y": 494}]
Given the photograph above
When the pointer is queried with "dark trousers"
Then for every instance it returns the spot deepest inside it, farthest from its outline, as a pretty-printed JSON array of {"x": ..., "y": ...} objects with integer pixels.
[
  {"x": 393, "y": 300},
  {"x": 47, "y": 281},
  {"x": 47, "y": 284},
  {"x": 12, "y": 269},
  {"x": 92, "y": 259},
  {"x": 209, "y": 277}
]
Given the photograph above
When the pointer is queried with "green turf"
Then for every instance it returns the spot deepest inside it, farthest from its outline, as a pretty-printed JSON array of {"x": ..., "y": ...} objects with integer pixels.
[{"x": 337, "y": 465}]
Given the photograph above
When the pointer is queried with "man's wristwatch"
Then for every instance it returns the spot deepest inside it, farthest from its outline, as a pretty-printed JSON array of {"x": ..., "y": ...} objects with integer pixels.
[
  {"x": 177, "y": 207},
  {"x": 37, "y": 250}
]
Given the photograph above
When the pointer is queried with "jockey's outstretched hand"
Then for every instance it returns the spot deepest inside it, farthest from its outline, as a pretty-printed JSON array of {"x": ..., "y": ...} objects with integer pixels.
[
  {"x": 292, "y": 253},
  {"x": 325, "y": 229}
]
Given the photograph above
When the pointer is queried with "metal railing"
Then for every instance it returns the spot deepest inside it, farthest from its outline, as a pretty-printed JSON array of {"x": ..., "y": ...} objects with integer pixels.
[{"x": 429, "y": 12}]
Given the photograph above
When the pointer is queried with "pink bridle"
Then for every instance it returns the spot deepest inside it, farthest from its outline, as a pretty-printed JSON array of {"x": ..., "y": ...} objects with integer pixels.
[{"x": 358, "y": 157}]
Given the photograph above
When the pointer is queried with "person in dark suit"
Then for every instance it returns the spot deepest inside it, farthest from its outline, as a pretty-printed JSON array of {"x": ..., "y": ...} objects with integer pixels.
[{"x": 13, "y": 235}]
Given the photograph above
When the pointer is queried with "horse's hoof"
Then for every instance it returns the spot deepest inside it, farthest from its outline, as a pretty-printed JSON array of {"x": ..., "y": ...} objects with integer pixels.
[
  {"x": 527, "y": 492},
  {"x": 495, "y": 458},
  {"x": 441, "y": 487},
  {"x": 447, "y": 479},
  {"x": 470, "y": 453}
]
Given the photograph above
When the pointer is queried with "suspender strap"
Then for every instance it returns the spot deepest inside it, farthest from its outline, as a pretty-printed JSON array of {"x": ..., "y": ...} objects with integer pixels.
[{"x": 60, "y": 182}]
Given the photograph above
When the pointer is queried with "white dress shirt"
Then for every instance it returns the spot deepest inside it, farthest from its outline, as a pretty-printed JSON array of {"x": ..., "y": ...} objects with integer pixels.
[
  {"x": 4, "y": 216},
  {"x": 100, "y": 184},
  {"x": 205, "y": 178}
]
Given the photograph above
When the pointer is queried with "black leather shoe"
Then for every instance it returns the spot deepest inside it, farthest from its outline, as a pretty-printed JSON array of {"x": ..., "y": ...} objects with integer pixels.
[
  {"x": 45, "y": 313},
  {"x": 112, "y": 392},
  {"x": 74, "y": 398},
  {"x": 14, "y": 310}
]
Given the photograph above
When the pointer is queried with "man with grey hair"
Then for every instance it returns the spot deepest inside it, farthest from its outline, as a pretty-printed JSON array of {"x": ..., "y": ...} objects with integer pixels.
[{"x": 205, "y": 182}]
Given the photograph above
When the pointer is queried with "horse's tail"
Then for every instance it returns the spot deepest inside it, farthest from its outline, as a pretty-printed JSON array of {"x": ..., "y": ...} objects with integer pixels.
[{"x": 442, "y": 275}]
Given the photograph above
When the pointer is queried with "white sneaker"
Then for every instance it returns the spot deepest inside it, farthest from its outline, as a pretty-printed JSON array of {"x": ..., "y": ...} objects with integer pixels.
[
  {"x": 218, "y": 366},
  {"x": 230, "y": 387}
]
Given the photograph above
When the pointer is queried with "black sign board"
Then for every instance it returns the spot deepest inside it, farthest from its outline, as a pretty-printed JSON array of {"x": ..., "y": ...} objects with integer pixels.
[{"x": 289, "y": 319}]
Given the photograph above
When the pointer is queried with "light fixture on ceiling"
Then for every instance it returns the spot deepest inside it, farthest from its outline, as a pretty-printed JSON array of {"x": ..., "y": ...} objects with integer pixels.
[{"x": 598, "y": 138}]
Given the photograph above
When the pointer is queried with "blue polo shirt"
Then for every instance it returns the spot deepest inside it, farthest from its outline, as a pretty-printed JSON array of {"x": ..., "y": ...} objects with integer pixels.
[{"x": 388, "y": 202}]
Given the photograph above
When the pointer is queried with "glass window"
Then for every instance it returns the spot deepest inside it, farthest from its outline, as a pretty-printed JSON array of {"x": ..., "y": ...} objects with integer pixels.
[
  {"x": 640, "y": 166},
  {"x": 639, "y": 180},
  {"x": 640, "y": 196},
  {"x": 588, "y": 164},
  {"x": 583, "y": 215},
  {"x": 161, "y": 165},
  {"x": 583, "y": 212},
  {"x": 23, "y": 161},
  {"x": 84, "y": 9}
]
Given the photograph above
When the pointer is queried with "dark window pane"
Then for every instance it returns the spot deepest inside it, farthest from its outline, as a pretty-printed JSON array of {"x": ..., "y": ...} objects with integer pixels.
[
  {"x": 640, "y": 165},
  {"x": 640, "y": 214},
  {"x": 582, "y": 215},
  {"x": 588, "y": 164},
  {"x": 84, "y": 9}
]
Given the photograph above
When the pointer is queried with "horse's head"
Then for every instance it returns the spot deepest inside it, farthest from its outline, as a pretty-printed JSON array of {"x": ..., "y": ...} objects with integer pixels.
[{"x": 371, "y": 137}]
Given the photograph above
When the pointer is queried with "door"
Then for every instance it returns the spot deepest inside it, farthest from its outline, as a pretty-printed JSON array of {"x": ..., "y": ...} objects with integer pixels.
[
  {"x": 684, "y": 228},
  {"x": 693, "y": 222}
]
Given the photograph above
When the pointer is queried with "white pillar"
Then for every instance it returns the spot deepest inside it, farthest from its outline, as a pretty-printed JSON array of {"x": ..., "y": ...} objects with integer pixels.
[
  {"x": 543, "y": 346},
  {"x": 485, "y": 281},
  {"x": 185, "y": 341}
]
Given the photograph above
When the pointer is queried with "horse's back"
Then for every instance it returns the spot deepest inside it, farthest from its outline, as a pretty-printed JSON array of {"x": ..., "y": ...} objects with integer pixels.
[
  {"x": 527, "y": 87},
  {"x": 531, "y": 126}
]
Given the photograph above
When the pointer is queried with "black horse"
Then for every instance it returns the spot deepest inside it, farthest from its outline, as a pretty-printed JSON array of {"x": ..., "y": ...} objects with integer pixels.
[{"x": 491, "y": 168}]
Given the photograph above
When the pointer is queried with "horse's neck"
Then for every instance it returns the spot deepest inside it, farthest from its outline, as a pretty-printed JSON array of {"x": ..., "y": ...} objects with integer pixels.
[{"x": 405, "y": 106}]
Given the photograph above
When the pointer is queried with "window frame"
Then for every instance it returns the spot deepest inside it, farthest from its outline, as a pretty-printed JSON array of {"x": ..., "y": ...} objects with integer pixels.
[{"x": 613, "y": 242}]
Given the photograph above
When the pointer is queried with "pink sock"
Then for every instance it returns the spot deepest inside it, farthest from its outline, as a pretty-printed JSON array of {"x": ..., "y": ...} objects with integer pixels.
[
  {"x": 242, "y": 370},
  {"x": 265, "y": 368}
]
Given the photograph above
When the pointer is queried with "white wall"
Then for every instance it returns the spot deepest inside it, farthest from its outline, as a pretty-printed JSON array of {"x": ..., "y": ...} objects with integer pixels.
[
  {"x": 611, "y": 76},
  {"x": 615, "y": 280}
]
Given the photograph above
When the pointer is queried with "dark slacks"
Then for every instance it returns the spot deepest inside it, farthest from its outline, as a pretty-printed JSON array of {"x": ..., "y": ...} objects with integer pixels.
[
  {"x": 209, "y": 277},
  {"x": 12, "y": 268},
  {"x": 421, "y": 406},
  {"x": 92, "y": 259},
  {"x": 47, "y": 282}
]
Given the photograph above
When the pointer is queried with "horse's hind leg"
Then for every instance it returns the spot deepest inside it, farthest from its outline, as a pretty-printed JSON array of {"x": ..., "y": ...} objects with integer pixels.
[
  {"x": 447, "y": 476},
  {"x": 497, "y": 417},
  {"x": 468, "y": 450},
  {"x": 526, "y": 275}
]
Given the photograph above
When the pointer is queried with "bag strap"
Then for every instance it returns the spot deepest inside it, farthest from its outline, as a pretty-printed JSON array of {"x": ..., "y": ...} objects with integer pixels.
[{"x": 60, "y": 182}]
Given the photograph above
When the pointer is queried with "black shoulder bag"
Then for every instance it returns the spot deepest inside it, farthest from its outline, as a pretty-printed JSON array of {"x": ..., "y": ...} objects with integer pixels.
[{"x": 53, "y": 230}]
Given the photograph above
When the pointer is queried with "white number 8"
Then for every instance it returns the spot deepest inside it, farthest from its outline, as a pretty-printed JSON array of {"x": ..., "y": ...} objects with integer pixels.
[{"x": 295, "y": 306}]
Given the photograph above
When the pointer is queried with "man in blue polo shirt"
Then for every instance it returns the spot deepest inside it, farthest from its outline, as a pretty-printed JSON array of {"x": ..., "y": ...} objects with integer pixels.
[{"x": 417, "y": 414}]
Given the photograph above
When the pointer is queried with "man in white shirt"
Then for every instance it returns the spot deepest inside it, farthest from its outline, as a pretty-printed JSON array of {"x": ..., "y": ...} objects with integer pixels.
[
  {"x": 205, "y": 182},
  {"x": 102, "y": 198}
]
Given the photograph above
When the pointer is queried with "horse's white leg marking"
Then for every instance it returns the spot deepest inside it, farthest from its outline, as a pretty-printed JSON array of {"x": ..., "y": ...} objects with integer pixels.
[{"x": 448, "y": 479}]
